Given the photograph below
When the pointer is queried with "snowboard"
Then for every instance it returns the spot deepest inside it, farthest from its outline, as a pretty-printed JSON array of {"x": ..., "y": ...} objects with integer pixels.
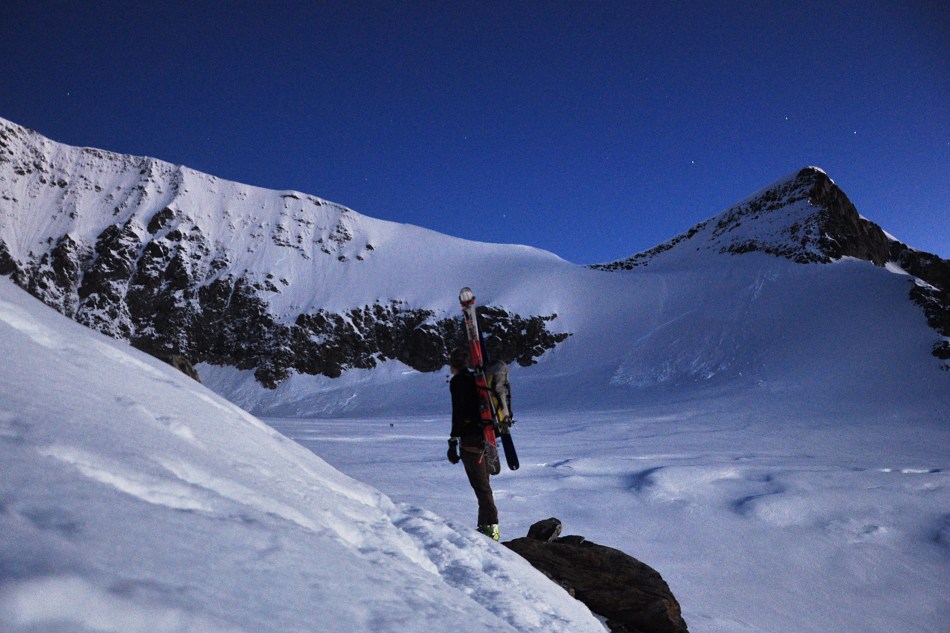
[{"x": 489, "y": 413}]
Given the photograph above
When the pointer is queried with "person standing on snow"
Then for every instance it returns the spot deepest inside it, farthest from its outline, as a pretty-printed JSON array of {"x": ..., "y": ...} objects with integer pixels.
[{"x": 467, "y": 434}]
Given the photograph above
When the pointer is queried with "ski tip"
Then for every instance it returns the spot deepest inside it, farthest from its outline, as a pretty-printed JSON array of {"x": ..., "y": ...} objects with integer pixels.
[{"x": 466, "y": 295}]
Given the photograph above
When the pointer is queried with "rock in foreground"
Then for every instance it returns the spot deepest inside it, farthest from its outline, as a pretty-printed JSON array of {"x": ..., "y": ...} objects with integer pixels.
[{"x": 632, "y": 596}]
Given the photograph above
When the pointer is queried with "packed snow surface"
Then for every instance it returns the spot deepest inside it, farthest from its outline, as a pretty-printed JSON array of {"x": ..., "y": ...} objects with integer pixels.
[
  {"x": 762, "y": 518},
  {"x": 134, "y": 499}
]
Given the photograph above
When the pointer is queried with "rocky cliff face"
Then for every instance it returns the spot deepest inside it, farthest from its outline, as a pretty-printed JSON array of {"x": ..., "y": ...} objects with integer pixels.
[
  {"x": 808, "y": 219},
  {"x": 120, "y": 244}
]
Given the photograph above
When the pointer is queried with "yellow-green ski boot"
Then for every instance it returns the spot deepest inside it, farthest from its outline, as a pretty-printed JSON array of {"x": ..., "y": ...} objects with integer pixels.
[{"x": 491, "y": 531}]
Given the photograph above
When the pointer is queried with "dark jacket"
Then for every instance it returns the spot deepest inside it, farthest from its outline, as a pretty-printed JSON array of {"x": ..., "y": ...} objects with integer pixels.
[{"x": 466, "y": 409}]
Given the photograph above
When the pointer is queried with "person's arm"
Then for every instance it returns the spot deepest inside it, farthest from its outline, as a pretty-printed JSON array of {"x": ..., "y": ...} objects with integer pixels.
[
  {"x": 457, "y": 420},
  {"x": 458, "y": 407}
]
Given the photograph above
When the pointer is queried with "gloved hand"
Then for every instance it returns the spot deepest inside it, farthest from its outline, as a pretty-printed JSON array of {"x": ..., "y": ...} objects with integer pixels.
[{"x": 453, "y": 452}]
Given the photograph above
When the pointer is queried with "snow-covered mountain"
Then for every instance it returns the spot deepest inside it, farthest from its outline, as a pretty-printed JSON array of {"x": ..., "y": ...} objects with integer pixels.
[
  {"x": 334, "y": 311},
  {"x": 757, "y": 408},
  {"x": 181, "y": 262},
  {"x": 807, "y": 219}
]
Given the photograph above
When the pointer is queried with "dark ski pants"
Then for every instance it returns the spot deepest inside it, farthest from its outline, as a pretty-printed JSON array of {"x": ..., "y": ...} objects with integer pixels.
[{"x": 478, "y": 477}]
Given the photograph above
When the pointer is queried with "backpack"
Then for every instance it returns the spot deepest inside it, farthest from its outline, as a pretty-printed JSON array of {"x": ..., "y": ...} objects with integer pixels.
[{"x": 496, "y": 375}]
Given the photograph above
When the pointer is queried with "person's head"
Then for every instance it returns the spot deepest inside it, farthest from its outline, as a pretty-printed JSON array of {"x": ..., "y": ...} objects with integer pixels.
[{"x": 458, "y": 359}]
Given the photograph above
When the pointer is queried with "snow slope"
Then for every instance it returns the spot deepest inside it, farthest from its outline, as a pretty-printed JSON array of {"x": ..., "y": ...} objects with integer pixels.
[
  {"x": 764, "y": 514},
  {"x": 134, "y": 499},
  {"x": 327, "y": 256}
]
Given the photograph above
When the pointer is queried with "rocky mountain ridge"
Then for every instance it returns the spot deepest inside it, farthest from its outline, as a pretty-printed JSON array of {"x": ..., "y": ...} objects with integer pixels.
[{"x": 182, "y": 263}]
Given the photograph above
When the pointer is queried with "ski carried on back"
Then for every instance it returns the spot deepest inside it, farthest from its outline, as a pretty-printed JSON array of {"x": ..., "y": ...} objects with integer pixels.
[{"x": 494, "y": 407}]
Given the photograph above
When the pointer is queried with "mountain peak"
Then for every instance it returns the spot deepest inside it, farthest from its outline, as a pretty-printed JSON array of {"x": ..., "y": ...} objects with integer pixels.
[{"x": 804, "y": 217}]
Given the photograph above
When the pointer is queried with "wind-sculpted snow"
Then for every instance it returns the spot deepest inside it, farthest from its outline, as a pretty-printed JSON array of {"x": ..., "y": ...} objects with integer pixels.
[
  {"x": 763, "y": 512},
  {"x": 133, "y": 499}
]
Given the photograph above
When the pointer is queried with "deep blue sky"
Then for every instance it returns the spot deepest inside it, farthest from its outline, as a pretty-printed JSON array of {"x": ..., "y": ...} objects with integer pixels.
[{"x": 591, "y": 129}]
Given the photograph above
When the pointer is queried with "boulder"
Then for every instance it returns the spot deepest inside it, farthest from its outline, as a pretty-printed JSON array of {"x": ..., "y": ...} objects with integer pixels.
[
  {"x": 546, "y": 530},
  {"x": 630, "y": 595}
]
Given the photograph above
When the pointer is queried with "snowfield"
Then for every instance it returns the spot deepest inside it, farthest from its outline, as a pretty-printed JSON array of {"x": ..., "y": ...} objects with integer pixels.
[
  {"x": 760, "y": 517},
  {"x": 134, "y": 499}
]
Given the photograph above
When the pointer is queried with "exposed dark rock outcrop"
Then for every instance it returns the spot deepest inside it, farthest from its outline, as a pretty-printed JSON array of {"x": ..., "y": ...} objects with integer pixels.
[
  {"x": 841, "y": 231},
  {"x": 7, "y": 264},
  {"x": 932, "y": 292},
  {"x": 632, "y": 596},
  {"x": 546, "y": 530},
  {"x": 163, "y": 288}
]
